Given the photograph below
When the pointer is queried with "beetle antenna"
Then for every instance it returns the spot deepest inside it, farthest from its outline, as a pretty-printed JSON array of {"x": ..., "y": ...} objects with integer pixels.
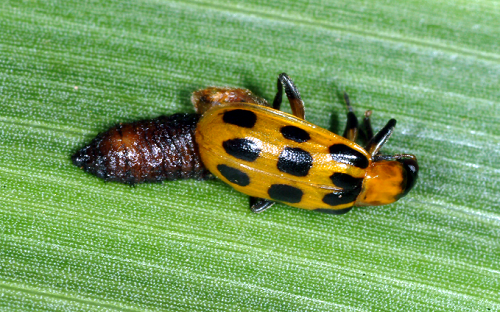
[{"x": 374, "y": 145}]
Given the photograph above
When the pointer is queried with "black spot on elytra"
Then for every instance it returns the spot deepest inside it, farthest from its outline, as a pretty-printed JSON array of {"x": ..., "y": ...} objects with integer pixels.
[
  {"x": 335, "y": 211},
  {"x": 344, "y": 154},
  {"x": 240, "y": 117},
  {"x": 295, "y": 134},
  {"x": 345, "y": 181},
  {"x": 234, "y": 175},
  {"x": 341, "y": 197},
  {"x": 295, "y": 161},
  {"x": 285, "y": 193},
  {"x": 242, "y": 149}
]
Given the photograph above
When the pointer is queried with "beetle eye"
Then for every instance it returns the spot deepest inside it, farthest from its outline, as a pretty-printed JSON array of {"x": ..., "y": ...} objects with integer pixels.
[{"x": 410, "y": 167}]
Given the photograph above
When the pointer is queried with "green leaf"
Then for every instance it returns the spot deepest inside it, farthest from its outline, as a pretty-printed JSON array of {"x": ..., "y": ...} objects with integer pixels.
[{"x": 71, "y": 242}]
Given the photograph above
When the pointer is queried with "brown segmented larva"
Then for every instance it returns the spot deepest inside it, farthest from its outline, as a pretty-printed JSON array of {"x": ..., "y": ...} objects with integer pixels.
[{"x": 145, "y": 151}]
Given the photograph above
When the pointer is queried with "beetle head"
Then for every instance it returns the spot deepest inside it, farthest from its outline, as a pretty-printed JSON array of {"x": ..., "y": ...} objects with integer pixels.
[{"x": 388, "y": 178}]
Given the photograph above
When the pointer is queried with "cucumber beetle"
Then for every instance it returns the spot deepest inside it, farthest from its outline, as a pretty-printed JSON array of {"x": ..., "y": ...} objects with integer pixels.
[{"x": 259, "y": 150}]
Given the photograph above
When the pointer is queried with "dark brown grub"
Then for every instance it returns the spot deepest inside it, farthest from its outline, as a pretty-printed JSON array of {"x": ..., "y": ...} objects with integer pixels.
[{"x": 145, "y": 151}]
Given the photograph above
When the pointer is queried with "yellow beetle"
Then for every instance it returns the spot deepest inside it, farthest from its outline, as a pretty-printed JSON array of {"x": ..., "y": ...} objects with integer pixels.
[{"x": 274, "y": 156}]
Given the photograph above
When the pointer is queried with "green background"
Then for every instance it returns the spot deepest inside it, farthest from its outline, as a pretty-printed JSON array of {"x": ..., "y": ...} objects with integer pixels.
[{"x": 71, "y": 242}]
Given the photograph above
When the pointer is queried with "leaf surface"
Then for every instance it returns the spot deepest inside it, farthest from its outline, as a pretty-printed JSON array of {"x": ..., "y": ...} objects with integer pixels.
[{"x": 71, "y": 69}]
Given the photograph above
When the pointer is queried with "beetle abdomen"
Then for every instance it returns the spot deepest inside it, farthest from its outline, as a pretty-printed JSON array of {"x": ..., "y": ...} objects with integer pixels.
[{"x": 145, "y": 151}]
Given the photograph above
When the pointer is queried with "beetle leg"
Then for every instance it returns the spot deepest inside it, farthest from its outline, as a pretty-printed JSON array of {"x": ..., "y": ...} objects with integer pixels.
[
  {"x": 373, "y": 146},
  {"x": 260, "y": 204},
  {"x": 368, "y": 125},
  {"x": 293, "y": 95},
  {"x": 351, "y": 127}
]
